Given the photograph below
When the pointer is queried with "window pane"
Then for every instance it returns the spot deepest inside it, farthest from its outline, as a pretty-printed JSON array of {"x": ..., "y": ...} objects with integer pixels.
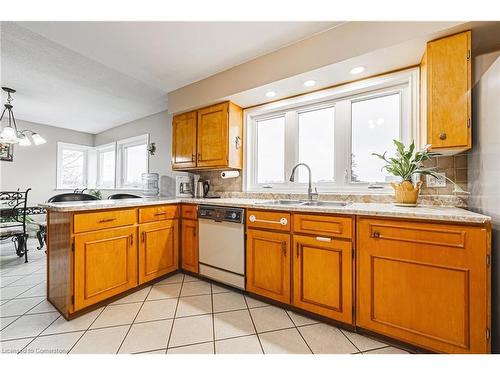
[
  {"x": 73, "y": 163},
  {"x": 375, "y": 123},
  {"x": 316, "y": 139},
  {"x": 135, "y": 164},
  {"x": 106, "y": 168},
  {"x": 271, "y": 150}
]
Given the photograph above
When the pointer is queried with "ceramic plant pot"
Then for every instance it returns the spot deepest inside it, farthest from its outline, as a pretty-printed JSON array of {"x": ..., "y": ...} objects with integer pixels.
[{"x": 406, "y": 192}]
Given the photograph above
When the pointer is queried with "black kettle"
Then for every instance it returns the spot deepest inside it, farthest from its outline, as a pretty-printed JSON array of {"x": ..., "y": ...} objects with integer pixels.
[{"x": 206, "y": 188}]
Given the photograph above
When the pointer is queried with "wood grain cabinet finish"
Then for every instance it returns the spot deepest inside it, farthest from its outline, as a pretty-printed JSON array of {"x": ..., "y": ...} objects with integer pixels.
[
  {"x": 155, "y": 213},
  {"x": 189, "y": 211},
  {"x": 105, "y": 264},
  {"x": 424, "y": 283},
  {"x": 214, "y": 140},
  {"x": 86, "y": 222},
  {"x": 158, "y": 249},
  {"x": 322, "y": 276},
  {"x": 268, "y": 264},
  {"x": 184, "y": 140},
  {"x": 269, "y": 220},
  {"x": 331, "y": 226},
  {"x": 189, "y": 245},
  {"x": 446, "y": 93}
]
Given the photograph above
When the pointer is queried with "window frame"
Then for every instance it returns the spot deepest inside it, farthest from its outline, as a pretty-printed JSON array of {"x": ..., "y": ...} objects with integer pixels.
[
  {"x": 341, "y": 98},
  {"x": 61, "y": 146},
  {"x": 120, "y": 165},
  {"x": 102, "y": 149}
]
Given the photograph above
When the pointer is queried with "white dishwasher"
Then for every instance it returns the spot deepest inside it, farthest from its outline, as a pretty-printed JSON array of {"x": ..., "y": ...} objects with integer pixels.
[{"x": 222, "y": 244}]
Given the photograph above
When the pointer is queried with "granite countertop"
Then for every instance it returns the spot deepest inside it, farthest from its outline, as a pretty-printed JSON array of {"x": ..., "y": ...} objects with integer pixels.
[{"x": 438, "y": 213}]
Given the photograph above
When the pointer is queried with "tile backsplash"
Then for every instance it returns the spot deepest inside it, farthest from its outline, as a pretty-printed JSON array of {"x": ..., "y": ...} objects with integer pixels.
[{"x": 455, "y": 168}]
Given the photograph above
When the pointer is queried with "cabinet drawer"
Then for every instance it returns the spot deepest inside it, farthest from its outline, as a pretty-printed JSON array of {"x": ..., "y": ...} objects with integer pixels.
[
  {"x": 268, "y": 220},
  {"x": 331, "y": 226},
  {"x": 104, "y": 219},
  {"x": 155, "y": 213},
  {"x": 189, "y": 211}
]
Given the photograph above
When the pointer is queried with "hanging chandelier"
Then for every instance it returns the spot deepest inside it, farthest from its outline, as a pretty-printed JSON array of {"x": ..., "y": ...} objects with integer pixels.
[{"x": 10, "y": 134}]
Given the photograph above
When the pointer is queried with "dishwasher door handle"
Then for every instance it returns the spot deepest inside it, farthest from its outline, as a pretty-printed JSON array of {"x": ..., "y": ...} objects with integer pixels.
[{"x": 253, "y": 219}]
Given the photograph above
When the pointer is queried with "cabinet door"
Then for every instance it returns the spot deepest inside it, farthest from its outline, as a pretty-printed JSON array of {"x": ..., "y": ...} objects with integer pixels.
[
  {"x": 425, "y": 284},
  {"x": 448, "y": 92},
  {"x": 213, "y": 136},
  {"x": 189, "y": 245},
  {"x": 322, "y": 276},
  {"x": 105, "y": 264},
  {"x": 158, "y": 249},
  {"x": 184, "y": 141},
  {"x": 268, "y": 264}
]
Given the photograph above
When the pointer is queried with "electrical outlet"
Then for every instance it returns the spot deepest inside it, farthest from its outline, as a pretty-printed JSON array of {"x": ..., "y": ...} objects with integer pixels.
[{"x": 433, "y": 182}]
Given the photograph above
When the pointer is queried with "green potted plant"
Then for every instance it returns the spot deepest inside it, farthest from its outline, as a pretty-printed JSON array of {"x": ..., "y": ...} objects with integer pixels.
[{"x": 407, "y": 163}]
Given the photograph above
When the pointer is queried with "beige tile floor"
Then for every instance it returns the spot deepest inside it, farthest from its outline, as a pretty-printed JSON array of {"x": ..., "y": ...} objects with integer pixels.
[{"x": 178, "y": 315}]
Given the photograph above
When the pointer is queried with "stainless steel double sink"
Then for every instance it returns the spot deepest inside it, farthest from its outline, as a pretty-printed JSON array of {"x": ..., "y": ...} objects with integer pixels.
[{"x": 291, "y": 202}]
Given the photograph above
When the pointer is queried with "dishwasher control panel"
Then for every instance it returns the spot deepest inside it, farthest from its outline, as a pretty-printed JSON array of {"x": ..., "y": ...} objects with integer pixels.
[{"x": 217, "y": 213}]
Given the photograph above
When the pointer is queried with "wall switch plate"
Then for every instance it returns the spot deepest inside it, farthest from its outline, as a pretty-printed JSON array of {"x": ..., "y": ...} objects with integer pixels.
[{"x": 433, "y": 182}]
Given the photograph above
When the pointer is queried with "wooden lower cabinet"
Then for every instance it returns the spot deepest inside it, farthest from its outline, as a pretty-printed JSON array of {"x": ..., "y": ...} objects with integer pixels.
[
  {"x": 158, "y": 249},
  {"x": 322, "y": 276},
  {"x": 268, "y": 264},
  {"x": 189, "y": 245},
  {"x": 105, "y": 264},
  {"x": 426, "y": 284}
]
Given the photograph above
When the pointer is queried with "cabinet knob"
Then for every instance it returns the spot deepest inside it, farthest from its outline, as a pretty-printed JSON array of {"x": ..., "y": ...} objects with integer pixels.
[
  {"x": 442, "y": 136},
  {"x": 376, "y": 234}
]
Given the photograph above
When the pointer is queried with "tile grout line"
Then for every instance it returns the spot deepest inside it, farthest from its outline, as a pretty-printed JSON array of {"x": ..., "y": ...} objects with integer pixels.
[
  {"x": 133, "y": 321},
  {"x": 253, "y": 323},
  {"x": 341, "y": 331},
  {"x": 300, "y": 333},
  {"x": 34, "y": 338},
  {"x": 84, "y": 332},
  {"x": 175, "y": 313}
]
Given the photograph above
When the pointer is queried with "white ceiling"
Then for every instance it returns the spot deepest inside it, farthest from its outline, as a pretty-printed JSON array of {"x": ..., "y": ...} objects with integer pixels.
[{"x": 92, "y": 76}]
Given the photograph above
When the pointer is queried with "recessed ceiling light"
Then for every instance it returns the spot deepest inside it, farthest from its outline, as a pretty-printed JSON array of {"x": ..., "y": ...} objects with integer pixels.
[
  {"x": 357, "y": 70},
  {"x": 309, "y": 83},
  {"x": 271, "y": 94}
]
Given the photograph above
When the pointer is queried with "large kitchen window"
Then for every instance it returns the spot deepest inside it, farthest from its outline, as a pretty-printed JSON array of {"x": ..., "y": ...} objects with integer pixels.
[{"x": 335, "y": 132}]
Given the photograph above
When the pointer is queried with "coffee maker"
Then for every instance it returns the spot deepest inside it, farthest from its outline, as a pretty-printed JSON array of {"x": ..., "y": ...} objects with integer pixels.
[{"x": 184, "y": 186}]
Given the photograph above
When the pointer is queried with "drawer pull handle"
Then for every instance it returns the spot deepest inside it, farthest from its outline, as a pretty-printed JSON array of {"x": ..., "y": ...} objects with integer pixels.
[
  {"x": 160, "y": 213},
  {"x": 107, "y": 220},
  {"x": 282, "y": 221},
  {"x": 131, "y": 239},
  {"x": 376, "y": 234},
  {"x": 143, "y": 236},
  {"x": 324, "y": 239},
  {"x": 442, "y": 136}
]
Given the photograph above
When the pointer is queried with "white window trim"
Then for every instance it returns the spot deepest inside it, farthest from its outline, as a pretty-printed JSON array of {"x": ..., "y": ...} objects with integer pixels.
[
  {"x": 59, "y": 164},
  {"x": 339, "y": 96},
  {"x": 127, "y": 142},
  {"x": 98, "y": 150}
]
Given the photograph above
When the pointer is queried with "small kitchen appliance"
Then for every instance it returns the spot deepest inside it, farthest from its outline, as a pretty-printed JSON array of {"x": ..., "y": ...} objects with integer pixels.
[{"x": 184, "y": 186}]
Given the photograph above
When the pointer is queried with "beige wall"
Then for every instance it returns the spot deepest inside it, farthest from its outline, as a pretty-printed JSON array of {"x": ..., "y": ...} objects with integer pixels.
[
  {"x": 340, "y": 43},
  {"x": 35, "y": 166}
]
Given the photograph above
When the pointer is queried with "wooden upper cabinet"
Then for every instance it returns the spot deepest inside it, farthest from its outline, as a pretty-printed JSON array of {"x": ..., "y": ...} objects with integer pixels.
[
  {"x": 268, "y": 264},
  {"x": 184, "y": 141},
  {"x": 105, "y": 264},
  {"x": 158, "y": 249},
  {"x": 322, "y": 276},
  {"x": 424, "y": 283},
  {"x": 209, "y": 138},
  {"x": 213, "y": 135},
  {"x": 446, "y": 93}
]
